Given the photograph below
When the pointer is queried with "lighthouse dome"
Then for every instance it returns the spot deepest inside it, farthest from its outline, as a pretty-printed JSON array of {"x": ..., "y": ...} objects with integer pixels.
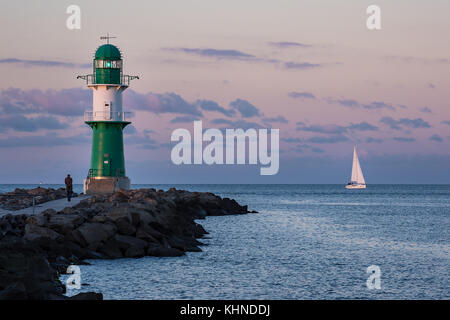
[{"x": 108, "y": 52}]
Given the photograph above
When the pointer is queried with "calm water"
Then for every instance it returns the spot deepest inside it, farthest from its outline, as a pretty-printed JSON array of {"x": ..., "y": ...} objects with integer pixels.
[{"x": 307, "y": 242}]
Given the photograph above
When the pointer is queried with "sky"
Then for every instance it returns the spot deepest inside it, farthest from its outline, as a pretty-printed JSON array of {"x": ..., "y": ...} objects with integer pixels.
[{"x": 309, "y": 68}]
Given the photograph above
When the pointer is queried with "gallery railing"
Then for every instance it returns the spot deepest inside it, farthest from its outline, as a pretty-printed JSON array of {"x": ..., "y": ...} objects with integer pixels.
[
  {"x": 107, "y": 116},
  {"x": 92, "y": 80},
  {"x": 101, "y": 172}
]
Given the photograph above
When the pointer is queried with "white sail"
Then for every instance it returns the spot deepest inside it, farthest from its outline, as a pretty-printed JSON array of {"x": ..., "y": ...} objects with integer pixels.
[{"x": 357, "y": 175}]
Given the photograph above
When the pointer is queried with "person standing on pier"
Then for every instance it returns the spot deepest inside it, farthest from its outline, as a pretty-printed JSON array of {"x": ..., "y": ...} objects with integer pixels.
[{"x": 69, "y": 190}]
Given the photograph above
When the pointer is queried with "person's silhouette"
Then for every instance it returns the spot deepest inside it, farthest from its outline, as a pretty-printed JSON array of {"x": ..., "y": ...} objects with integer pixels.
[{"x": 69, "y": 190}]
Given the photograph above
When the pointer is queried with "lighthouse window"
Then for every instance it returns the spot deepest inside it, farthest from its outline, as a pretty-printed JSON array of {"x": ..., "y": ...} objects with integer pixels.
[{"x": 115, "y": 64}]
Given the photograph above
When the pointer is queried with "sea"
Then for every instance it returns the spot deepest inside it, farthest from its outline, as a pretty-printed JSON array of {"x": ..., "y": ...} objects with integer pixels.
[{"x": 306, "y": 242}]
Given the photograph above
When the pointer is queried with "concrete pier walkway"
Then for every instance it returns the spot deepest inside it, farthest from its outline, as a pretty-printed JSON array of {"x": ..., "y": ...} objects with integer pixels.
[{"x": 57, "y": 205}]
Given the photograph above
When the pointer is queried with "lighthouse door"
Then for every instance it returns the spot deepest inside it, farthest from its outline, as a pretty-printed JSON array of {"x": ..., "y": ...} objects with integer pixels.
[
  {"x": 107, "y": 110},
  {"x": 106, "y": 165}
]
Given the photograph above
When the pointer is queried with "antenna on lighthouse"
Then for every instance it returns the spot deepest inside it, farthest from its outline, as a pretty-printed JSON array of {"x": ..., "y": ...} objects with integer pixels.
[{"x": 107, "y": 37}]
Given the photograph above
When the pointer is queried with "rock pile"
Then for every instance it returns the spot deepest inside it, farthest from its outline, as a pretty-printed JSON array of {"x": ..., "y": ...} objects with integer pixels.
[
  {"x": 129, "y": 224},
  {"x": 23, "y": 198}
]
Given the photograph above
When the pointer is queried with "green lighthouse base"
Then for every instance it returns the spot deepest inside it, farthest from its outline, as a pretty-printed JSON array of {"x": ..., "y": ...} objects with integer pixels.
[{"x": 105, "y": 185}]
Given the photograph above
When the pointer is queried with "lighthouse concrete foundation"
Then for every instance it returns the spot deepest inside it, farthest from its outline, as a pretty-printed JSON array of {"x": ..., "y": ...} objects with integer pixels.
[{"x": 105, "y": 185}]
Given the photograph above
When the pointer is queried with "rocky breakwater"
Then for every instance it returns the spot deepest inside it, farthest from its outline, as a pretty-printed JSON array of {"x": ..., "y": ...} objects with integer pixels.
[
  {"x": 36, "y": 249},
  {"x": 23, "y": 198}
]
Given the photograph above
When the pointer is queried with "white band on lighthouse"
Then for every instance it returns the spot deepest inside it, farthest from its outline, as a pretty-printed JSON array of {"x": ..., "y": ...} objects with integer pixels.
[{"x": 107, "y": 102}]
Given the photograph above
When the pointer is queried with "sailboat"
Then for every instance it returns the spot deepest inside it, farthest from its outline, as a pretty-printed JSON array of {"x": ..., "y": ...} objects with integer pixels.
[{"x": 357, "y": 179}]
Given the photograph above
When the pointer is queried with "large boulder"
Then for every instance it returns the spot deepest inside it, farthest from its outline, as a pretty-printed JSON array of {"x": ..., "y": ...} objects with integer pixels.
[
  {"x": 12, "y": 225},
  {"x": 184, "y": 244},
  {"x": 25, "y": 273},
  {"x": 111, "y": 249},
  {"x": 34, "y": 232},
  {"x": 131, "y": 247},
  {"x": 125, "y": 227},
  {"x": 146, "y": 233},
  {"x": 64, "y": 223},
  {"x": 140, "y": 215},
  {"x": 91, "y": 234},
  {"x": 122, "y": 218},
  {"x": 161, "y": 251},
  {"x": 121, "y": 212},
  {"x": 120, "y": 196},
  {"x": 135, "y": 252},
  {"x": 37, "y": 219}
]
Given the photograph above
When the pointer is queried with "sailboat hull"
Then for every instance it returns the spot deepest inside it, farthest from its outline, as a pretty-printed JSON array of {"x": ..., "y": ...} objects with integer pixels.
[{"x": 355, "y": 186}]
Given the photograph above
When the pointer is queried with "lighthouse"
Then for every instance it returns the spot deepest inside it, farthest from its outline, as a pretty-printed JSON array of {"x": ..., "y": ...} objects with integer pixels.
[{"x": 107, "y": 121}]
